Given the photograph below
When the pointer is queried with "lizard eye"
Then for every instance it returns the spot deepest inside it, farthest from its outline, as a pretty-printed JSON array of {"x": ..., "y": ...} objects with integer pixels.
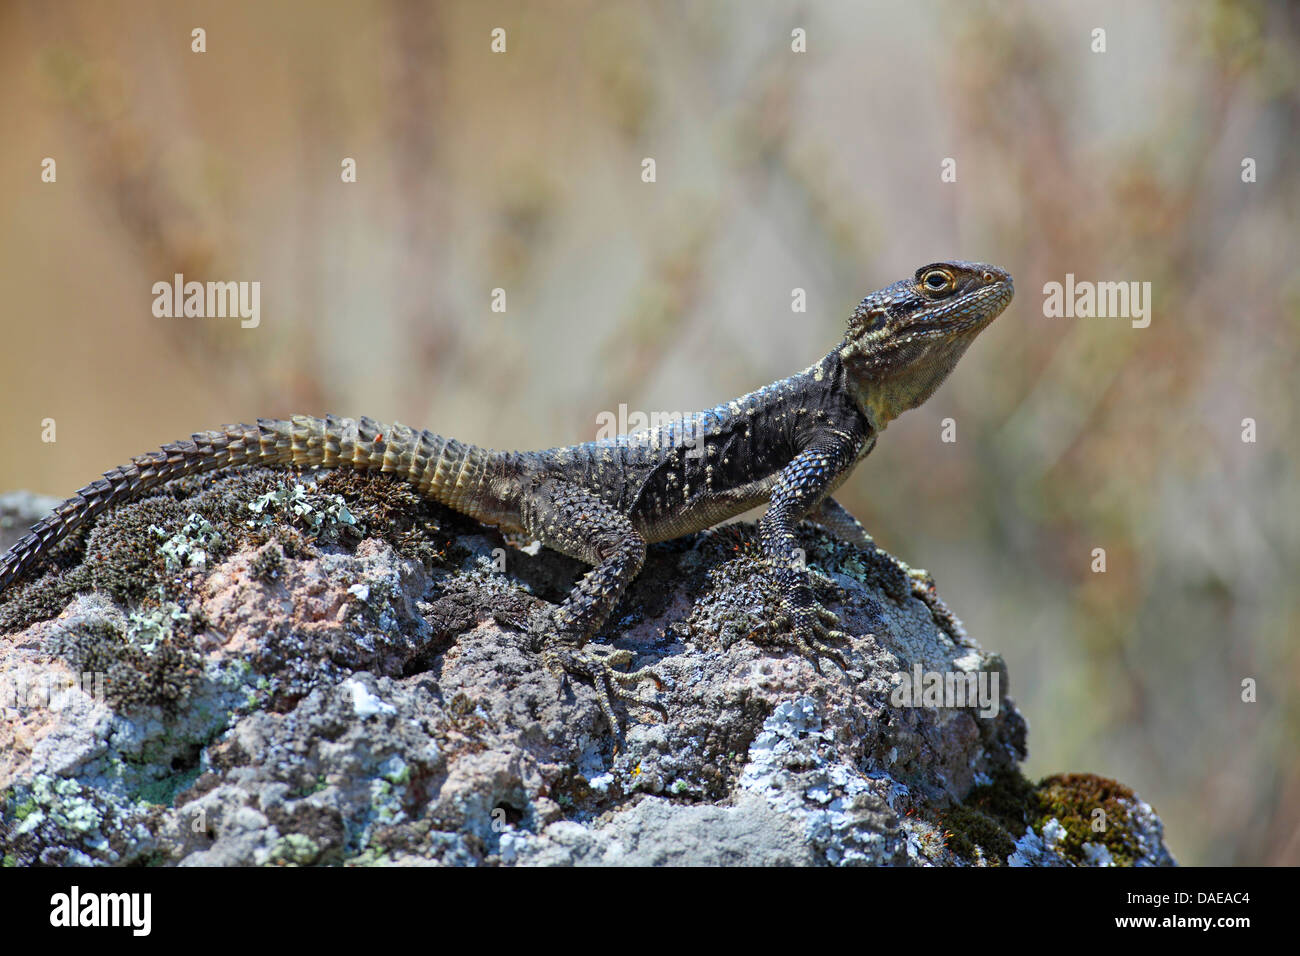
[{"x": 936, "y": 280}]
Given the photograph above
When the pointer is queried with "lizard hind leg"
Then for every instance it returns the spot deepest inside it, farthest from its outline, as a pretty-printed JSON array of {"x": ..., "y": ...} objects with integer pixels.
[
  {"x": 839, "y": 521},
  {"x": 573, "y": 521}
]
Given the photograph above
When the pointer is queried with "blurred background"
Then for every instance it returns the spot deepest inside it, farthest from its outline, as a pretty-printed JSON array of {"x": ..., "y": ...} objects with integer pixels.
[{"x": 775, "y": 170}]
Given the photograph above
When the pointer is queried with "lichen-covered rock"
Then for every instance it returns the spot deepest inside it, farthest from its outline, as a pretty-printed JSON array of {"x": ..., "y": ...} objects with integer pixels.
[{"x": 271, "y": 669}]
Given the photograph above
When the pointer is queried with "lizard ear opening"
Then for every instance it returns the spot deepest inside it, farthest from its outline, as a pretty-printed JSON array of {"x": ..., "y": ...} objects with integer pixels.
[{"x": 872, "y": 320}]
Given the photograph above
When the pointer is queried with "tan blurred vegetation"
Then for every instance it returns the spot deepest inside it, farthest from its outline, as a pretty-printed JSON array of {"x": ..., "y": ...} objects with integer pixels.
[{"x": 775, "y": 171}]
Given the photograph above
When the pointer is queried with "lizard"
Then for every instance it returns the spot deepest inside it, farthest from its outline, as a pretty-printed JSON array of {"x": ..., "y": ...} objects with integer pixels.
[{"x": 790, "y": 444}]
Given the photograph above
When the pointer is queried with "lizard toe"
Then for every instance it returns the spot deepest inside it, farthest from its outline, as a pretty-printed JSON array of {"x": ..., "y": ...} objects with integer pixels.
[{"x": 596, "y": 666}]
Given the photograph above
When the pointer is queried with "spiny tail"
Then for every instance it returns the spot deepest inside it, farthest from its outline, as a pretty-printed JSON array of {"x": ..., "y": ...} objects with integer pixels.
[{"x": 443, "y": 469}]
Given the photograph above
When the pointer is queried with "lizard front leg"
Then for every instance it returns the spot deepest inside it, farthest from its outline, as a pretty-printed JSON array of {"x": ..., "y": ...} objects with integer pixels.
[
  {"x": 576, "y": 522},
  {"x": 799, "y": 486},
  {"x": 898, "y": 579}
]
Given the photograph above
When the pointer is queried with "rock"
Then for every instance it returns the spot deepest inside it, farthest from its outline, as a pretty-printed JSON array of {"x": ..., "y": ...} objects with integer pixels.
[{"x": 270, "y": 669}]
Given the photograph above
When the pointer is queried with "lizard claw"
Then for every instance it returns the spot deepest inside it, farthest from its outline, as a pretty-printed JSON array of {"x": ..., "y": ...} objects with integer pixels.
[
  {"x": 821, "y": 577},
  {"x": 826, "y": 617},
  {"x": 921, "y": 586},
  {"x": 807, "y": 630},
  {"x": 810, "y": 626},
  {"x": 596, "y": 666},
  {"x": 817, "y": 638}
]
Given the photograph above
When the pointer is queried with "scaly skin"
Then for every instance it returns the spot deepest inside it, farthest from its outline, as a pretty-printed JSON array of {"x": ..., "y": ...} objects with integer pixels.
[{"x": 791, "y": 444}]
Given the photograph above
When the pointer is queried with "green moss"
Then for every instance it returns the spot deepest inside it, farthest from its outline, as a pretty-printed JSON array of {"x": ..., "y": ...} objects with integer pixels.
[
  {"x": 995, "y": 816},
  {"x": 390, "y": 508},
  {"x": 1073, "y": 798},
  {"x": 148, "y": 664},
  {"x": 163, "y": 792},
  {"x": 967, "y": 828},
  {"x": 44, "y": 598},
  {"x": 1009, "y": 799},
  {"x": 122, "y": 553},
  {"x": 269, "y": 563}
]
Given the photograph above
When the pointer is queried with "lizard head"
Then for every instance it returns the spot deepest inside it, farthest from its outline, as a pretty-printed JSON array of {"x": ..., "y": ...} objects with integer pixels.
[{"x": 904, "y": 340}]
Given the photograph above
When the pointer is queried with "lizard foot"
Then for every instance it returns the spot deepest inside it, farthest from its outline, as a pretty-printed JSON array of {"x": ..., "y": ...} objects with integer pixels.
[
  {"x": 802, "y": 621},
  {"x": 597, "y": 667},
  {"x": 810, "y": 630},
  {"x": 900, "y": 581},
  {"x": 923, "y": 589}
]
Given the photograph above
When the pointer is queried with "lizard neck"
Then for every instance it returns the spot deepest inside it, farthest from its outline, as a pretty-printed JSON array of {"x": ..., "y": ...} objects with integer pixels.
[
  {"x": 831, "y": 374},
  {"x": 884, "y": 390}
]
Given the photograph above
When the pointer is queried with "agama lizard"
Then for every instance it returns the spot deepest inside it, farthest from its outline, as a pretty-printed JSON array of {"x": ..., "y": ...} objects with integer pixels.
[{"x": 791, "y": 443}]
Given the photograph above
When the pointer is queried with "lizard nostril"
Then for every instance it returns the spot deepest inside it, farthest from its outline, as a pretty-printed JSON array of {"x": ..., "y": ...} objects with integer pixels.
[{"x": 987, "y": 276}]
